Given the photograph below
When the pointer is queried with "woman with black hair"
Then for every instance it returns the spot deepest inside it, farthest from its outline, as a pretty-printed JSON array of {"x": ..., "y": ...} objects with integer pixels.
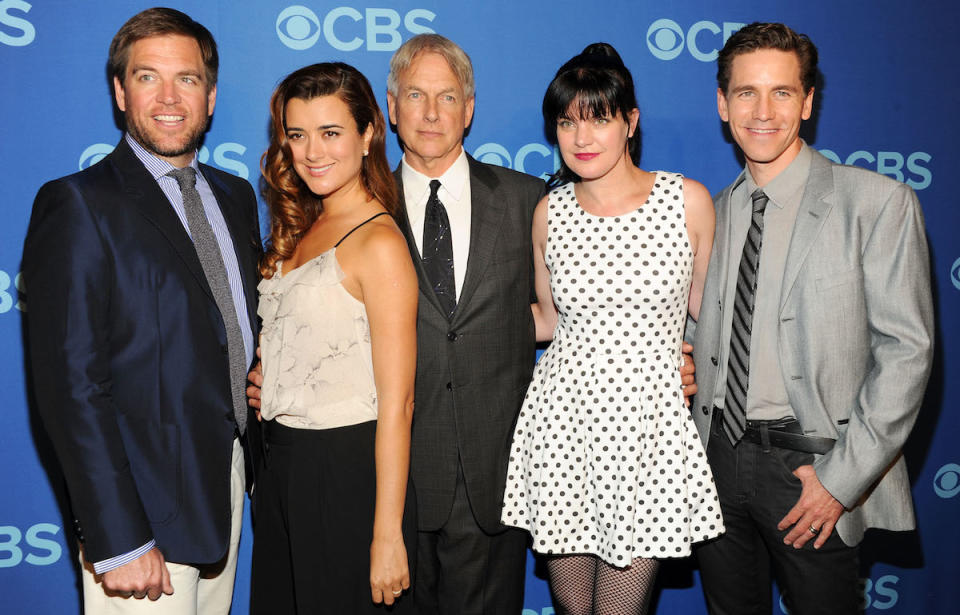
[{"x": 607, "y": 471}]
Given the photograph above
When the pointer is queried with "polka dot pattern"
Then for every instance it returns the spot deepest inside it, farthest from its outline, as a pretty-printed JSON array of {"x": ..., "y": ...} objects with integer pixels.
[{"x": 605, "y": 456}]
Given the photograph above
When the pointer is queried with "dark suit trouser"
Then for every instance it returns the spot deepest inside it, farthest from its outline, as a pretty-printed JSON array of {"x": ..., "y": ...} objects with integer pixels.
[
  {"x": 757, "y": 488},
  {"x": 463, "y": 570}
]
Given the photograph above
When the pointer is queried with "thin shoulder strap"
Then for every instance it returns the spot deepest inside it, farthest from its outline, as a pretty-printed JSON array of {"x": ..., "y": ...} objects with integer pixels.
[{"x": 382, "y": 213}]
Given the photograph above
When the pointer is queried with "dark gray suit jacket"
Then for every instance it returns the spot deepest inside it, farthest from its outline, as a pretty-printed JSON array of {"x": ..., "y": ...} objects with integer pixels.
[
  {"x": 473, "y": 369},
  {"x": 855, "y": 334}
]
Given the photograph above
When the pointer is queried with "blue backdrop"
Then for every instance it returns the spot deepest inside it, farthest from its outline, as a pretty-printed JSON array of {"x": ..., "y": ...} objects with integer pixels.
[{"x": 886, "y": 103}]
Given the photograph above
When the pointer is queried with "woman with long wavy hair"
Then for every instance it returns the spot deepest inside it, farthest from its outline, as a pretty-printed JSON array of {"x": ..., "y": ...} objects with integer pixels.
[{"x": 333, "y": 505}]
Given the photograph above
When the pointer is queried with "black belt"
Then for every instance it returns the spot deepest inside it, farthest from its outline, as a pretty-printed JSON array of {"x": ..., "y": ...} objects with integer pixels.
[
  {"x": 792, "y": 441},
  {"x": 778, "y": 435}
]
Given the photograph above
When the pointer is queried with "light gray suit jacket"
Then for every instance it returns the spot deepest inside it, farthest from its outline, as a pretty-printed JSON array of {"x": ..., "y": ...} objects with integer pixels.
[{"x": 855, "y": 334}]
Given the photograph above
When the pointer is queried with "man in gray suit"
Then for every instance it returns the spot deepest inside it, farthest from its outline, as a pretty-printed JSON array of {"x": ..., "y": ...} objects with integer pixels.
[{"x": 814, "y": 356}]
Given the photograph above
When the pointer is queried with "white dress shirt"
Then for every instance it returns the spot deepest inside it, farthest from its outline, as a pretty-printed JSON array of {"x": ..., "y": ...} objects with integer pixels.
[{"x": 454, "y": 193}]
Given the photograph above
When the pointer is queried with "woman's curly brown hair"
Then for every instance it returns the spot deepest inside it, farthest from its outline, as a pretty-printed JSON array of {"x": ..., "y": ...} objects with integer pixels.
[{"x": 293, "y": 208}]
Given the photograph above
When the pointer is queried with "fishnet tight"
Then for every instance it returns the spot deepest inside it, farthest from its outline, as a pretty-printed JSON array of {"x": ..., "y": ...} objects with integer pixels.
[{"x": 586, "y": 585}]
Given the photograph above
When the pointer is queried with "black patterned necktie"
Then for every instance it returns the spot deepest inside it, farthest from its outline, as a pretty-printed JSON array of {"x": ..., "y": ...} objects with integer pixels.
[
  {"x": 738, "y": 368},
  {"x": 208, "y": 251},
  {"x": 438, "y": 251}
]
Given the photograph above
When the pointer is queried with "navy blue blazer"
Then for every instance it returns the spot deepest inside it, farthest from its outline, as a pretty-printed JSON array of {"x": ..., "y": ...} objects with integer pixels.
[{"x": 129, "y": 357}]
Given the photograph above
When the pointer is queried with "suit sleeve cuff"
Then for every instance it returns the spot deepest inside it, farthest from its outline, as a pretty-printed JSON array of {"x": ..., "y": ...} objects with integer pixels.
[{"x": 125, "y": 558}]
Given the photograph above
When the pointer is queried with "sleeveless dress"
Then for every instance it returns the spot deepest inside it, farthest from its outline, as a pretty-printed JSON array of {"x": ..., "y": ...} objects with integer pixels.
[
  {"x": 606, "y": 459},
  {"x": 316, "y": 488}
]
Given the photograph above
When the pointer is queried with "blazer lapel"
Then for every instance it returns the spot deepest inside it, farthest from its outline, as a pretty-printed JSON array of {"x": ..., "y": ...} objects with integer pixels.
[
  {"x": 403, "y": 221},
  {"x": 813, "y": 213},
  {"x": 486, "y": 217},
  {"x": 724, "y": 232},
  {"x": 148, "y": 198}
]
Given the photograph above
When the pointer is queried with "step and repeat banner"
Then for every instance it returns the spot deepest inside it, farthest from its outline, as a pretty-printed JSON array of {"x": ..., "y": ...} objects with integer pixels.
[{"x": 887, "y": 102}]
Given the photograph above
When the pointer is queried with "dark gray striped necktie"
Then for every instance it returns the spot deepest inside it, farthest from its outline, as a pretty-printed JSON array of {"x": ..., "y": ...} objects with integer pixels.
[
  {"x": 208, "y": 251},
  {"x": 738, "y": 367}
]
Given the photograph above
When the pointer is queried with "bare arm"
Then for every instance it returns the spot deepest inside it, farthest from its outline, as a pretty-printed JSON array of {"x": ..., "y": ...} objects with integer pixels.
[
  {"x": 388, "y": 285},
  {"x": 698, "y": 208},
  {"x": 544, "y": 311}
]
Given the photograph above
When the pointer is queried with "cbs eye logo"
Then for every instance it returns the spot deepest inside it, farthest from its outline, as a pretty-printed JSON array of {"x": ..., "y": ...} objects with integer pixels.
[
  {"x": 955, "y": 274},
  {"x": 299, "y": 28},
  {"x": 665, "y": 39},
  {"x": 946, "y": 483},
  {"x": 545, "y": 161},
  {"x": 94, "y": 154}
]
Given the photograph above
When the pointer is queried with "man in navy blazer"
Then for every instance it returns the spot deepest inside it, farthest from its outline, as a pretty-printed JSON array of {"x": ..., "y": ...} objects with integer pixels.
[{"x": 135, "y": 337}]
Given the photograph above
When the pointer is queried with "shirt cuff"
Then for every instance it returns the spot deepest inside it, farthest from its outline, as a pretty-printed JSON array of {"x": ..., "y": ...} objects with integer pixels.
[{"x": 125, "y": 558}]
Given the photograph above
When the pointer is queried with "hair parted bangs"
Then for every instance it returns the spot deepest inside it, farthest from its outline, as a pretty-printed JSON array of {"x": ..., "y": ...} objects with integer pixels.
[{"x": 293, "y": 207}]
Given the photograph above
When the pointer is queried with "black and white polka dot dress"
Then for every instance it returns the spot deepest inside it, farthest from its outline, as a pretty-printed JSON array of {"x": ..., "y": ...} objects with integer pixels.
[{"x": 605, "y": 457}]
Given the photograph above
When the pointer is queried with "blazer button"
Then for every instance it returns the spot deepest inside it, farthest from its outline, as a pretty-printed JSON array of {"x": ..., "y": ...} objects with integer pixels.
[
  {"x": 449, "y": 386},
  {"x": 713, "y": 360},
  {"x": 705, "y": 410},
  {"x": 452, "y": 336}
]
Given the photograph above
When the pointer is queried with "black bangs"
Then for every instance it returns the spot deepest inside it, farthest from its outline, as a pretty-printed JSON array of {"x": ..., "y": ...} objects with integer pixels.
[
  {"x": 581, "y": 94},
  {"x": 594, "y": 84}
]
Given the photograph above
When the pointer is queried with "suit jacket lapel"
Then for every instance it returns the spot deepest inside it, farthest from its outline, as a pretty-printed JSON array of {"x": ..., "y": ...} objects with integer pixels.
[
  {"x": 724, "y": 233},
  {"x": 148, "y": 198},
  {"x": 813, "y": 213},
  {"x": 486, "y": 217},
  {"x": 403, "y": 221}
]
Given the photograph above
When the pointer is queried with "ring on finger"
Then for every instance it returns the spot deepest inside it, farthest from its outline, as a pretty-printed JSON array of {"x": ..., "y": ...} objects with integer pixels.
[
  {"x": 814, "y": 530},
  {"x": 397, "y": 592}
]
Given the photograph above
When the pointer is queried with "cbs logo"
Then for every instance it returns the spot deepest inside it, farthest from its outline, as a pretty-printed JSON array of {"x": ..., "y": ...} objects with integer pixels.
[
  {"x": 955, "y": 274},
  {"x": 946, "y": 483},
  {"x": 892, "y": 164},
  {"x": 300, "y": 28},
  {"x": 544, "y": 161},
  {"x": 8, "y": 293},
  {"x": 221, "y": 157},
  {"x": 665, "y": 38},
  {"x": 881, "y": 594},
  {"x": 25, "y": 32},
  {"x": 41, "y": 551}
]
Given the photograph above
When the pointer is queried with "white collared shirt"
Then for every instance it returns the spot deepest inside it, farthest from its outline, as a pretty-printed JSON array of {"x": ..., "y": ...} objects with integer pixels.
[{"x": 454, "y": 193}]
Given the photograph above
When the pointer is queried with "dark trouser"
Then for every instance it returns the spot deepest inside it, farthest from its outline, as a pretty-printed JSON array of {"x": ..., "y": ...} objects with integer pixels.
[
  {"x": 757, "y": 488},
  {"x": 313, "y": 515},
  {"x": 463, "y": 570}
]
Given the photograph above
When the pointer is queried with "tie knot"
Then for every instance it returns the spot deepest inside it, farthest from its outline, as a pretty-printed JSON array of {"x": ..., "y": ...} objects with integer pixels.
[
  {"x": 434, "y": 188},
  {"x": 759, "y": 200},
  {"x": 186, "y": 177}
]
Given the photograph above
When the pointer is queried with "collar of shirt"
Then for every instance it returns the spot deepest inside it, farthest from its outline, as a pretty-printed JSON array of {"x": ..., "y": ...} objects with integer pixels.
[
  {"x": 158, "y": 167},
  {"x": 787, "y": 186},
  {"x": 416, "y": 188}
]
